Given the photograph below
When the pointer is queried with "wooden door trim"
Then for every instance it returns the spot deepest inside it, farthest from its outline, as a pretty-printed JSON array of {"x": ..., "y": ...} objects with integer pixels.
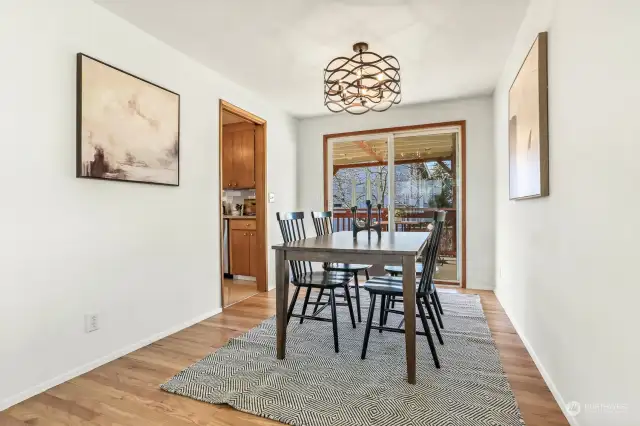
[
  {"x": 261, "y": 193},
  {"x": 239, "y": 127},
  {"x": 229, "y": 107},
  {"x": 463, "y": 166}
]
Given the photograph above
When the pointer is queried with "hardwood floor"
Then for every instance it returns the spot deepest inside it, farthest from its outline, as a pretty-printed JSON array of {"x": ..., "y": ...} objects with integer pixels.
[
  {"x": 234, "y": 291},
  {"x": 126, "y": 392}
]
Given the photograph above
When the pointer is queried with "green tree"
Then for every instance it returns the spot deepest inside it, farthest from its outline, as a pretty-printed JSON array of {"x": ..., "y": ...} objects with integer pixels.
[{"x": 440, "y": 173}]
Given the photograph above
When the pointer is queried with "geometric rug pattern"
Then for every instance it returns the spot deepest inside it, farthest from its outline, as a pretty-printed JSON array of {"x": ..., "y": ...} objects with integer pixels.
[{"x": 314, "y": 386}]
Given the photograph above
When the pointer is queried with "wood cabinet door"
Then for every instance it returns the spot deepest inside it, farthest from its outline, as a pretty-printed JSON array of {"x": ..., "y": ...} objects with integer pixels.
[
  {"x": 227, "y": 158},
  {"x": 253, "y": 250},
  {"x": 240, "y": 252},
  {"x": 245, "y": 158}
]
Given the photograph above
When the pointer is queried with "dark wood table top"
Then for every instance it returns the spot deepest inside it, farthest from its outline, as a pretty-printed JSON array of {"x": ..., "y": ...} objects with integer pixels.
[{"x": 395, "y": 243}]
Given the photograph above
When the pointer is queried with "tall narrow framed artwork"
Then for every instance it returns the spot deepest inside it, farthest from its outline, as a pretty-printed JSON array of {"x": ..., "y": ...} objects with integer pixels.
[
  {"x": 128, "y": 129},
  {"x": 528, "y": 126}
]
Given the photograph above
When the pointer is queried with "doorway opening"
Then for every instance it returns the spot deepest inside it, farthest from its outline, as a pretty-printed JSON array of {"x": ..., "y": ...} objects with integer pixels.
[
  {"x": 411, "y": 172},
  {"x": 243, "y": 208}
]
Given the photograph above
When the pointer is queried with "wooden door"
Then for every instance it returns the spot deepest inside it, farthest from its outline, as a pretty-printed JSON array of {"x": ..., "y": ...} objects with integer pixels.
[
  {"x": 240, "y": 252},
  {"x": 253, "y": 253},
  {"x": 245, "y": 158},
  {"x": 227, "y": 157}
]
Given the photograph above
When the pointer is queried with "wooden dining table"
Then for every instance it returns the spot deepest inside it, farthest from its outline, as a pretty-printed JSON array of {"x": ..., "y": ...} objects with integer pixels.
[{"x": 393, "y": 248}]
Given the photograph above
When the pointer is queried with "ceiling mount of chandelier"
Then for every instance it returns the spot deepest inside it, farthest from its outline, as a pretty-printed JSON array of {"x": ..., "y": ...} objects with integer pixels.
[{"x": 364, "y": 82}]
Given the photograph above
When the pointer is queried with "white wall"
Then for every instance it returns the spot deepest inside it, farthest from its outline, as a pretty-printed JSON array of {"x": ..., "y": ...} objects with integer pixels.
[
  {"x": 566, "y": 264},
  {"x": 479, "y": 116},
  {"x": 146, "y": 258}
]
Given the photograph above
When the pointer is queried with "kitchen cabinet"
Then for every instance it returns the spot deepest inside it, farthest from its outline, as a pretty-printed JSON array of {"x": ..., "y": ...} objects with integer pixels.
[
  {"x": 238, "y": 156},
  {"x": 239, "y": 249},
  {"x": 243, "y": 248}
]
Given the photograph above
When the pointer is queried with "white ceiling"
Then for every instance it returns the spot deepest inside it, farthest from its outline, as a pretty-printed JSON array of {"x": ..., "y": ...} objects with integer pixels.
[{"x": 279, "y": 48}]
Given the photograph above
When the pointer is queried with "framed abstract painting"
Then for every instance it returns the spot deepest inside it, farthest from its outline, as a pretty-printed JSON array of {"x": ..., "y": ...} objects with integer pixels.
[
  {"x": 528, "y": 126},
  {"x": 128, "y": 129}
]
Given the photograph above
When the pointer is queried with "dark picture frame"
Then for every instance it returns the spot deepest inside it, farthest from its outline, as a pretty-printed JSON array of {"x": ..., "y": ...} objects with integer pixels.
[
  {"x": 528, "y": 125},
  {"x": 127, "y": 128}
]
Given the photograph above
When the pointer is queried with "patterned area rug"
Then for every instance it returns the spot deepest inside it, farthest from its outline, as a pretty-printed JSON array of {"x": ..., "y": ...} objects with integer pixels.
[{"x": 314, "y": 386}]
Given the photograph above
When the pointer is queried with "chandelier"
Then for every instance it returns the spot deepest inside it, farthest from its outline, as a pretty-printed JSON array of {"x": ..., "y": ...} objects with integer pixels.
[{"x": 365, "y": 82}]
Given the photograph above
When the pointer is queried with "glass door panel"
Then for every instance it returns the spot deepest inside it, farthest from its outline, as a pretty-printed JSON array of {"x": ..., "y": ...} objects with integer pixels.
[
  {"x": 360, "y": 173},
  {"x": 425, "y": 181}
]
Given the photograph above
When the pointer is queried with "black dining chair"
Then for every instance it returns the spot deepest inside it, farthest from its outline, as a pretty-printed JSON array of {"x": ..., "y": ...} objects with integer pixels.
[
  {"x": 395, "y": 270},
  {"x": 389, "y": 286},
  {"x": 303, "y": 276},
  {"x": 323, "y": 222}
]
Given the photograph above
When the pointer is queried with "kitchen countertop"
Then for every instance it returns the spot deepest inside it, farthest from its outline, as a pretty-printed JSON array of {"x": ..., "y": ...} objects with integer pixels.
[{"x": 238, "y": 217}]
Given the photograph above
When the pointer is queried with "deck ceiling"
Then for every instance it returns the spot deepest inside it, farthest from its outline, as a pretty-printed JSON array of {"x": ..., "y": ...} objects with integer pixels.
[{"x": 407, "y": 149}]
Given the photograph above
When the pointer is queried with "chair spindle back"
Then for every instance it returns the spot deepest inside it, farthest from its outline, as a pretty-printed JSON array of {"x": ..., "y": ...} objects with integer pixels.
[
  {"x": 292, "y": 228},
  {"x": 323, "y": 222},
  {"x": 430, "y": 254}
]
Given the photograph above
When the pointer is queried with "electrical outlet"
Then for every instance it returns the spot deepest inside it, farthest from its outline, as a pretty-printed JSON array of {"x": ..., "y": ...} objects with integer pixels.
[
  {"x": 272, "y": 197},
  {"x": 91, "y": 323}
]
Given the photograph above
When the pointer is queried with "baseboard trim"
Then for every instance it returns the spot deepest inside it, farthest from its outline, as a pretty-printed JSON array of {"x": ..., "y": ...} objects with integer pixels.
[
  {"x": 42, "y": 387},
  {"x": 573, "y": 421}
]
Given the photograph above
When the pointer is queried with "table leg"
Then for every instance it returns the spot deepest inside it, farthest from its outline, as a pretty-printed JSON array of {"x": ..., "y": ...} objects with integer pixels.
[
  {"x": 409, "y": 297},
  {"x": 282, "y": 297}
]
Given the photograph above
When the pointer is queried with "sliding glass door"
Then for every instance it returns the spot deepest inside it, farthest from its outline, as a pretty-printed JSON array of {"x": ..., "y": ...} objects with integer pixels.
[{"x": 411, "y": 175}]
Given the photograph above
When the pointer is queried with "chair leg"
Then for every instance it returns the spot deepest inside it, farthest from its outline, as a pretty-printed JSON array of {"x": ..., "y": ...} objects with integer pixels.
[
  {"x": 306, "y": 301},
  {"x": 383, "y": 300},
  {"x": 427, "y": 332},
  {"x": 393, "y": 298},
  {"x": 437, "y": 311},
  {"x": 366, "y": 274},
  {"x": 293, "y": 303},
  {"x": 433, "y": 319},
  {"x": 437, "y": 298},
  {"x": 367, "y": 330},
  {"x": 355, "y": 280},
  {"x": 347, "y": 296},
  {"x": 320, "y": 293},
  {"x": 334, "y": 318},
  {"x": 387, "y": 306}
]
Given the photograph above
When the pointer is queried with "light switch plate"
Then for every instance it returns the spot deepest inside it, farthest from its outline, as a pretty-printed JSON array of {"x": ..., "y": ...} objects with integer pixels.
[{"x": 272, "y": 197}]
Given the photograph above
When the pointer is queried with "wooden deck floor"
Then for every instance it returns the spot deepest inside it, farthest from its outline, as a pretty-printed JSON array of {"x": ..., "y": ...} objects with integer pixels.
[{"x": 126, "y": 392}]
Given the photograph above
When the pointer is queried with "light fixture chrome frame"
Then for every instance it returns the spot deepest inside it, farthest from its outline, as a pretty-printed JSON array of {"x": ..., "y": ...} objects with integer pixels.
[{"x": 362, "y": 83}]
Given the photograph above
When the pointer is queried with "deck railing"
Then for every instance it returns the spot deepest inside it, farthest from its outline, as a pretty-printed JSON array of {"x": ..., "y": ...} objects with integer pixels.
[{"x": 407, "y": 220}]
